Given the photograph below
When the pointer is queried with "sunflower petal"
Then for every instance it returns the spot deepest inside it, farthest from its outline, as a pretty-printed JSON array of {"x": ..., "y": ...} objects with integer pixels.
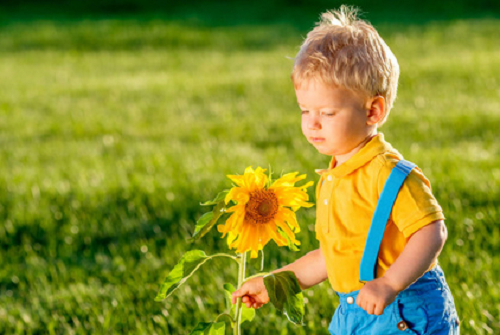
[
  {"x": 238, "y": 180},
  {"x": 240, "y": 209},
  {"x": 238, "y": 194},
  {"x": 231, "y": 237},
  {"x": 255, "y": 180},
  {"x": 306, "y": 185},
  {"x": 288, "y": 180},
  {"x": 265, "y": 235},
  {"x": 292, "y": 197},
  {"x": 287, "y": 231},
  {"x": 290, "y": 218},
  {"x": 272, "y": 233},
  {"x": 249, "y": 170},
  {"x": 231, "y": 222},
  {"x": 260, "y": 178}
]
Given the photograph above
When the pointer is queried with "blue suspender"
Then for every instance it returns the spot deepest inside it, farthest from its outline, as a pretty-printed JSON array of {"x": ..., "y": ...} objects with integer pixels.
[{"x": 383, "y": 210}]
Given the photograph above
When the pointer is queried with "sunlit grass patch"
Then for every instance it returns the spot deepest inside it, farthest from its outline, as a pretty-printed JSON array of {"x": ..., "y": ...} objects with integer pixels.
[{"x": 113, "y": 131}]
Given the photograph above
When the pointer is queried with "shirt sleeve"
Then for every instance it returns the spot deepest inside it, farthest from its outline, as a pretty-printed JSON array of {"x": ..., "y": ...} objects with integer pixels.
[{"x": 415, "y": 205}]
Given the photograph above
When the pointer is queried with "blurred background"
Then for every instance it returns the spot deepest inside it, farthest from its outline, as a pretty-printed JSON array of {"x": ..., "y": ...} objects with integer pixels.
[{"x": 118, "y": 117}]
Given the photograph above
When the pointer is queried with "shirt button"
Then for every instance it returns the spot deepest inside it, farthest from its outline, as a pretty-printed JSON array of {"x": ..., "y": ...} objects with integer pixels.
[
  {"x": 350, "y": 300},
  {"x": 329, "y": 178},
  {"x": 326, "y": 201}
]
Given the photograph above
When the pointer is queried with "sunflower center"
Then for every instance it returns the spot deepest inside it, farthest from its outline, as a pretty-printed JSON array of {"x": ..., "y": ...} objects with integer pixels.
[{"x": 262, "y": 206}]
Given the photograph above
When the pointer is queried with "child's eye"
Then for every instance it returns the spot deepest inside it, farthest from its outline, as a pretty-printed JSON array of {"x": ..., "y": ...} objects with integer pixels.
[
  {"x": 329, "y": 114},
  {"x": 305, "y": 112}
]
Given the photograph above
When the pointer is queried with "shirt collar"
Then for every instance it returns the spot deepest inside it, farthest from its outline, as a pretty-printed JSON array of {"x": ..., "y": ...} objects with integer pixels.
[{"x": 374, "y": 147}]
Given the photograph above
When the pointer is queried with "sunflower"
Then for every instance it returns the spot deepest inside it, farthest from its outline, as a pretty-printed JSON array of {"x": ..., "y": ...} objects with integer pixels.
[{"x": 263, "y": 213}]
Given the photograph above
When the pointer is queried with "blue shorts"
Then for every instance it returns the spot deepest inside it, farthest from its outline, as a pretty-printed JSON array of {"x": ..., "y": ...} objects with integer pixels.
[{"x": 425, "y": 307}]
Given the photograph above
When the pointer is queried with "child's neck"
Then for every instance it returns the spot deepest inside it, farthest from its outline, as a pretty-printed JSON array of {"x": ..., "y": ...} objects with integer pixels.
[{"x": 340, "y": 159}]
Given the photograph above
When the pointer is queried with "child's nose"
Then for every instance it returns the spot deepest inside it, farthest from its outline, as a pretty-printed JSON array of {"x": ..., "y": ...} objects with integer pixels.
[{"x": 314, "y": 124}]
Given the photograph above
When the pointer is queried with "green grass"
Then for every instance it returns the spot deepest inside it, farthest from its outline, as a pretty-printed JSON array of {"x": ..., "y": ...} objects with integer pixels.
[{"x": 114, "y": 129}]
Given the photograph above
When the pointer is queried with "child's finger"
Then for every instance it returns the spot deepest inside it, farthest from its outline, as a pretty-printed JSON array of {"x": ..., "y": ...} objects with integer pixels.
[
  {"x": 370, "y": 308},
  {"x": 234, "y": 299},
  {"x": 359, "y": 301},
  {"x": 379, "y": 309},
  {"x": 253, "y": 302},
  {"x": 238, "y": 293}
]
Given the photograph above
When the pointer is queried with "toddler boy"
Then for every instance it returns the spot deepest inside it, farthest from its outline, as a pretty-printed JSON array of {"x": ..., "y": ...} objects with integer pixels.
[{"x": 345, "y": 80}]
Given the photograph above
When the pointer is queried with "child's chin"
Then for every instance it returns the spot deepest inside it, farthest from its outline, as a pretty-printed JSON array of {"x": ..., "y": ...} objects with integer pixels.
[{"x": 324, "y": 151}]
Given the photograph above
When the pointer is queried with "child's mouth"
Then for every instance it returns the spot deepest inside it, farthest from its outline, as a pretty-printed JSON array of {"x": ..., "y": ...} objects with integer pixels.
[{"x": 317, "y": 139}]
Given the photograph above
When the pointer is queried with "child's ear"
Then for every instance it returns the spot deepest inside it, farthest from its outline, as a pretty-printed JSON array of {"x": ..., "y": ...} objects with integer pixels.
[{"x": 375, "y": 110}]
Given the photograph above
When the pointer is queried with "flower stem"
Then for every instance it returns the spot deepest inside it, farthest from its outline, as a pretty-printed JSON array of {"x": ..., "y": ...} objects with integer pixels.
[{"x": 241, "y": 278}]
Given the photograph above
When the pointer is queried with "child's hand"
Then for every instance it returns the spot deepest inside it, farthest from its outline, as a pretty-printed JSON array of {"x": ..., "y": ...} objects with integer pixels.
[
  {"x": 376, "y": 295},
  {"x": 253, "y": 293}
]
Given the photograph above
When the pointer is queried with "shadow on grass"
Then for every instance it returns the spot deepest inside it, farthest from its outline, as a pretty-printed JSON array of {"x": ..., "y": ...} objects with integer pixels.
[
  {"x": 220, "y": 25},
  {"x": 64, "y": 226}
]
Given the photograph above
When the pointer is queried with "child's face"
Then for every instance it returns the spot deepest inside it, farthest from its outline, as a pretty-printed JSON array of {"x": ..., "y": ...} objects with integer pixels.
[{"x": 334, "y": 119}]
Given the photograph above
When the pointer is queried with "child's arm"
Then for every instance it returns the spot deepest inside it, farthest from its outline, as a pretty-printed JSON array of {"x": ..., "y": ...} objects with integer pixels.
[
  {"x": 419, "y": 253},
  {"x": 309, "y": 270}
]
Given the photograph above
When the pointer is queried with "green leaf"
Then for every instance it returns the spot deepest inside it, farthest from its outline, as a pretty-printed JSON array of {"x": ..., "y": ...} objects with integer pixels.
[
  {"x": 228, "y": 294},
  {"x": 247, "y": 314},
  {"x": 285, "y": 294},
  {"x": 221, "y": 196},
  {"x": 201, "y": 328},
  {"x": 218, "y": 328},
  {"x": 203, "y": 221},
  {"x": 209, "y": 328},
  {"x": 207, "y": 221},
  {"x": 189, "y": 263},
  {"x": 291, "y": 246}
]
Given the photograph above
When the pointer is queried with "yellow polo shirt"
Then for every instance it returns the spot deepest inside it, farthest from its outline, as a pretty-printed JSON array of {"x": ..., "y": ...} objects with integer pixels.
[{"x": 346, "y": 199}]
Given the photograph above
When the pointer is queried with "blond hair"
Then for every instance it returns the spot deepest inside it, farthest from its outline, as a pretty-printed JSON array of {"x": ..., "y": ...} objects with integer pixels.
[{"x": 343, "y": 50}]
